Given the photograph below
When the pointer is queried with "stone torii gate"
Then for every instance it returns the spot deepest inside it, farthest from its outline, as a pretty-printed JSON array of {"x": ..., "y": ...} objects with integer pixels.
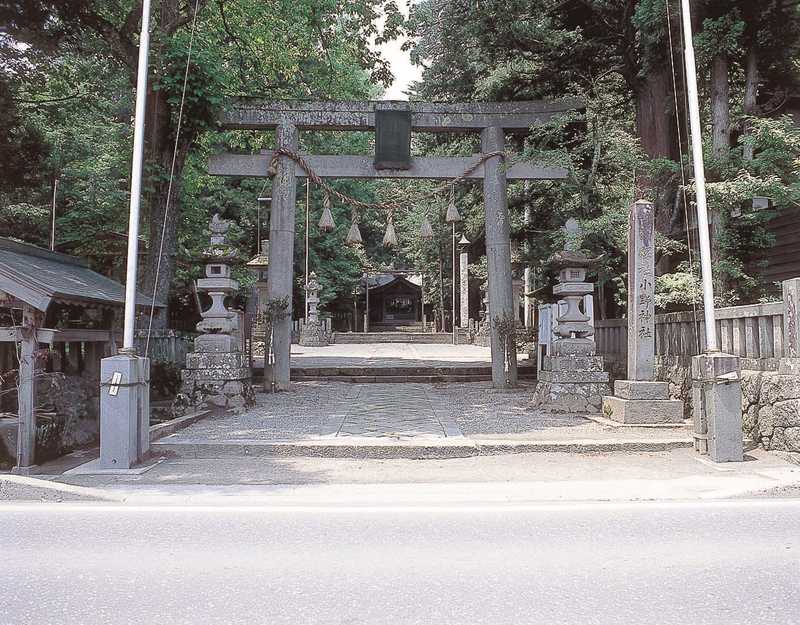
[{"x": 492, "y": 119}]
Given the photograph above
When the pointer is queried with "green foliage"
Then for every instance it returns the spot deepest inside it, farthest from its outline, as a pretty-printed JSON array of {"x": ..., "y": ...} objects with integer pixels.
[
  {"x": 612, "y": 54},
  {"x": 67, "y": 106}
]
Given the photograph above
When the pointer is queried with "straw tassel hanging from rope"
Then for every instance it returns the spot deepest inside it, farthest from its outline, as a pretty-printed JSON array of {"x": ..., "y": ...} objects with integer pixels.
[
  {"x": 354, "y": 235},
  {"x": 326, "y": 223},
  {"x": 426, "y": 230},
  {"x": 452, "y": 211},
  {"x": 390, "y": 238}
]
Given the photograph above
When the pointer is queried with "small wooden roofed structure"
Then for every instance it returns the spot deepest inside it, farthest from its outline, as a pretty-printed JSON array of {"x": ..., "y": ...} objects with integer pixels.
[{"x": 52, "y": 298}]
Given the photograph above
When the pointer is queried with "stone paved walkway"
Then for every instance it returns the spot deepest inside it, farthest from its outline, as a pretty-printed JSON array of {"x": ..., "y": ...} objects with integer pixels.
[
  {"x": 385, "y": 410},
  {"x": 318, "y": 411}
]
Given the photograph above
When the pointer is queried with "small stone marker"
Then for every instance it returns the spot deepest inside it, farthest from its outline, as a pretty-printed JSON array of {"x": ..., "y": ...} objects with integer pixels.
[{"x": 641, "y": 399}]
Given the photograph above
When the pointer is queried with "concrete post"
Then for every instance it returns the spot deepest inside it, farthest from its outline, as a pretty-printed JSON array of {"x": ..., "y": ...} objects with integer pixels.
[
  {"x": 281, "y": 253},
  {"x": 790, "y": 363},
  {"x": 464, "y": 286},
  {"x": 717, "y": 406},
  {"x": 124, "y": 411},
  {"x": 498, "y": 256}
]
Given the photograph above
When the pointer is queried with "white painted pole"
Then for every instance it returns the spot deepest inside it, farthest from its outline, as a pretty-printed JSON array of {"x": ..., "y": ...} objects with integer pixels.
[
  {"x": 700, "y": 181},
  {"x": 136, "y": 184}
]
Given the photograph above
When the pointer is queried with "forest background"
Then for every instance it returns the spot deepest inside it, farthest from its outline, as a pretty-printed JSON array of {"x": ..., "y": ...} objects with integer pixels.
[{"x": 67, "y": 76}]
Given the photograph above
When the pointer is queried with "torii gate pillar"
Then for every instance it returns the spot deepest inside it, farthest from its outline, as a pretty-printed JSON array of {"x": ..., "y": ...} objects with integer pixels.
[
  {"x": 498, "y": 257},
  {"x": 281, "y": 253}
]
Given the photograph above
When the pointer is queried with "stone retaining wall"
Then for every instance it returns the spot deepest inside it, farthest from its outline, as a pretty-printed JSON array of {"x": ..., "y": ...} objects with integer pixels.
[
  {"x": 770, "y": 401},
  {"x": 771, "y": 409}
]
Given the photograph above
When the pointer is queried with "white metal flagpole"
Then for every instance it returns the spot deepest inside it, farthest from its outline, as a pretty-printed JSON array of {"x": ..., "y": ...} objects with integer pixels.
[
  {"x": 136, "y": 184},
  {"x": 700, "y": 181}
]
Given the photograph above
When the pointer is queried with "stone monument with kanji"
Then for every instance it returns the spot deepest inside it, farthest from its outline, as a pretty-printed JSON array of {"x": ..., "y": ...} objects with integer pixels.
[{"x": 641, "y": 398}]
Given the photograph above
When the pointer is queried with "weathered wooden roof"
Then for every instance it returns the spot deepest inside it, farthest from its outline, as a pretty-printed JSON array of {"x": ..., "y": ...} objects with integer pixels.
[
  {"x": 38, "y": 277},
  {"x": 385, "y": 282}
]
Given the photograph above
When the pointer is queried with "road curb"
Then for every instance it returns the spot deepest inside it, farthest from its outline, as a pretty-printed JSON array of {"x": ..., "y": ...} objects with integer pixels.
[{"x": 42, "y": 488}]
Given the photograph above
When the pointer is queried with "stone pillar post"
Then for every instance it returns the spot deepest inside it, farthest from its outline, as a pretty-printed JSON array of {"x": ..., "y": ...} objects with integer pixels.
[
  {"x": 281, "y": 265},
  {"x": 498, "y": 256},
  {"x": 517, "y": 290},
  {"x": 464, "y": 283},
  {"x": 527, "y": 299},
  {"x": 641, "y": 292},
  {"x": 640, "y": 399},
  {"x": 790, "y": 363}
]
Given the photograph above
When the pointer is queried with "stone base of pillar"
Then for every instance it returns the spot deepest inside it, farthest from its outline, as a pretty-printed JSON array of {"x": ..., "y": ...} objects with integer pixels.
[
  {"x": 482, "y": 335},
  {"x": 717, "y": 406},
  {"x": 219, "y": 381},
  {"x": 571, "y": 384},
  {"x": 789, "y": 366},
  {"x": 638, "y": 402},
  {"x": 124, "y": 411},
  {"x": 313, "y": 335}
]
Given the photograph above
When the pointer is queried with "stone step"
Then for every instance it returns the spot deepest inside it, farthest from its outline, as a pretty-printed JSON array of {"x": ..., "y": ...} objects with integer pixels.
[
  {"x": 416, "y": 449},
  {"x": 358, "y": 338},
  {"x": 367, "y": 375}
]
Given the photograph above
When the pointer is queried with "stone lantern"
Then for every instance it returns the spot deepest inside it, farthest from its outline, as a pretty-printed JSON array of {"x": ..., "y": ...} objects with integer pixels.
[
  {"x": 217, "y": 372},
  {"x": 313, "y": 333},
  {"x": 258, "y": 267},
  {"x": 572, "y": 378}
]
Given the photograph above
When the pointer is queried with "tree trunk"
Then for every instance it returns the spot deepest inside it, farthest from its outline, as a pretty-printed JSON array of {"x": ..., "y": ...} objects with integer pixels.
[
  {"x": 720, "y": 106},
  {"x": 165, "y": 212},
  {"x": 750, "y": 94},
  {"x": 721, "y": 140},
  {"x": 655, "y": 123}
]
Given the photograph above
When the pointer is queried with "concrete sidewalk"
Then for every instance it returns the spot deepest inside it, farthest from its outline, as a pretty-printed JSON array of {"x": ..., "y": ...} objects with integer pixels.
[{"x": 519, "y": 479}]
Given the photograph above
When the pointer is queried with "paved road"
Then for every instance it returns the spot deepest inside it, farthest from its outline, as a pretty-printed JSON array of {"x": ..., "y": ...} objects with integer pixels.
[{"x": 687, "y": 563}]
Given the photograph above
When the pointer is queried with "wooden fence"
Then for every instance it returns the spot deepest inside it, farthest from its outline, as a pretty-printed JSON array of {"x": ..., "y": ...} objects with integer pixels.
[
  {"x": 166, "y": 345},
  {"x": 753, "y": 332}
]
